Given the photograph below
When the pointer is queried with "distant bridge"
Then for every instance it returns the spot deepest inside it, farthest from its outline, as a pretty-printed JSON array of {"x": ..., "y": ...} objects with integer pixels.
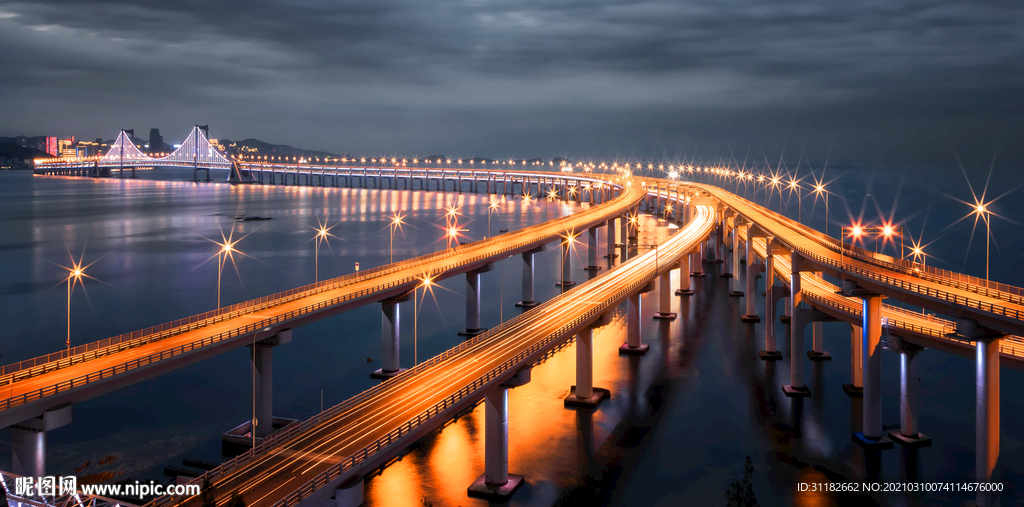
[{"x": 196, "y": 152}]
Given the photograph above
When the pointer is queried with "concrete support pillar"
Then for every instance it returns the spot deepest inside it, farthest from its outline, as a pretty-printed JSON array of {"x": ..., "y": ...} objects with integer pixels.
[
  {"x": 908, "y": 434},
  {"x": 610, "y": 233},
  {"x": 528, "y": 272},
  {"x": 735, "y": 271},
  {"x": 684, "y": 276},
  {"x": 496, "y": 483},
  {"x": 263, "y": 359},
  {"x": 633, "y": 345},
  {"x": 796, "y": 385},
  {"x": 28, "y": 448},
  {"x": 624, "y": 237},
  {"x": 770, "y": 353},
  {"x": 592, "y": 250},
  {"x": 584, "y": 394},
  {"x": 472, "y": 304},
  {"x": 987, "y": 415},
  {"x": 350, "y": 493},
  {"x": 698, "y": 265},
  {"x": 856, "y": 386},
  {"x": 872, "y": 343},
  {"x": 566, "y": 281},
  {"x": 665, "y": 296},
  {"x": 750, "y": 294},
  {"x": 496, "y": 436}
]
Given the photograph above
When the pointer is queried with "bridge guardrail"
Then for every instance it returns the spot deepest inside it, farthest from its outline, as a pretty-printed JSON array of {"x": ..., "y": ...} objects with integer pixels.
[{"x": 304, "y": 291}]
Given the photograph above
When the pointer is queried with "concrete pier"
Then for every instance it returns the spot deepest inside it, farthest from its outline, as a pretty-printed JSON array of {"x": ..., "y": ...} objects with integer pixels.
[
  {"x": 986, "y": 414},
  {"x": 684, "y": 276},
  {"x": 528, "y": 278},
  {"x": 584, "y": 394},
  {"x": 770, "y": 353},
  {"x": 390, "y": 340},
  {"x": 633, "y": 345},
  {"x": 496, "y": 483},
  {"x": 610, "y": 233},
  {"x": 473, "y": 326},
  {"x": 872, "y": 435},
  {"x": 592, "y": 250},
  {"x": 665, "y": 296},
  {"x": 796, "y": 385},
  {"x": 908, "y": 435}
]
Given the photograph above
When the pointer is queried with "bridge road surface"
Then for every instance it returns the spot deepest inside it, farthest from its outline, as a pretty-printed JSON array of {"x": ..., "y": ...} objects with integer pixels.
[
  {"x": 995, "y": 313},
  {"x": 17, "y": 409},
  {"x": 271, "y": 476}
]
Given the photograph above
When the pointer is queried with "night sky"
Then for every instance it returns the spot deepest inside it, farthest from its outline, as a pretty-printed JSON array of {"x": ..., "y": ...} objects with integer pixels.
[{"x": 870, "y": 80}]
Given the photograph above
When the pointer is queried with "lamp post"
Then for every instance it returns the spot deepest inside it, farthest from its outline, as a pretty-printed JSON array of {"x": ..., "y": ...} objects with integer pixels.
[
  {"x": 425, "y": 282},
  {"x": 819, "y": 190},
  {"x": 396, "y": 223},
  {"x": 793, "y": 184},
  {"x": 981, "y": 209},
  {"x": 253, "y": 367},
  {"x": 75, "y": 274}
]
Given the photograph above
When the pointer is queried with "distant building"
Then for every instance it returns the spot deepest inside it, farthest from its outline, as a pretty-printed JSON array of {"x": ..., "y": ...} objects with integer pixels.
[
  {"x": 66, "y": 147},
  {"x": 156, "y": 141},
  {"x": 51, "y": 146}
]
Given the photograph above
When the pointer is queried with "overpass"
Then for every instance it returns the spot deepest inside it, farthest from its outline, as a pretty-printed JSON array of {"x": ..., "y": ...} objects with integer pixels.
[
  {"x": 983, "y": 318},
  {"x": 40, "y": 392},
  {"x": 338, "y": 446}
]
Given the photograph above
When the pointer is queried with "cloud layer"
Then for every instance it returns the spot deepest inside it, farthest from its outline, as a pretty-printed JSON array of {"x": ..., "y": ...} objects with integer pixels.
[{"x": 524, "y": 78}]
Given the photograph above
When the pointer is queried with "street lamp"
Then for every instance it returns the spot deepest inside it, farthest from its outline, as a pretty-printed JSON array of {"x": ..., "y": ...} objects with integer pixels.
[
  {"x": 793, "y": 184},
  {"x": 981, "y": 209},
  {"x": 75, "y": 274},
  {"x": 426, "y": 282},
  {"x": 322, "y": 234},
  {"x": 490, "y": 209},
  {"x": 396, "y": 223},
  {"x": 819, "y": 190},
  {"x": 253, "y": 367}
]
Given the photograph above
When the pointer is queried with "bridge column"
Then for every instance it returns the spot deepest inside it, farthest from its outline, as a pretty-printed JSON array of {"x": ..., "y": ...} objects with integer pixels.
[
  {"x": 390, "y": 340},
  {"x": 610, "y": 233},
  {"x": 566, "y": 281},
  {"x": 908, "y": 435},
  {"x": 263, "y": 361},
  {"x": 28, "y": 440},
  {"x": 855, "y": 388},
  {"x": 473, "y": 301},
  {"x": 496, "y": 484},
  {"x": 624, "y": 237},
  {"x": 735, "y": 282},
  {"x": 528, "y": 276},
  {"x": 633, "y": 345},
  {"x": 987, "y": 414},
  {"x": 665, "y": 296},
  {"x": 584, "y": 394},
  {"x": 592, "y": 249},
  {"x": 770, "y": 353},
  {"x": 753, "y": 268},
  {"x": 872, "y": 435},
  {"x": 698, "y": 265},
  {"x": 796, "y": 385},
  {"x": 684, "y": 276}
]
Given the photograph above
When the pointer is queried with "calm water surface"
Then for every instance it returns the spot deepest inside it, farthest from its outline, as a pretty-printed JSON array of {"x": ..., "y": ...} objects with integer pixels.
[{"x": 681, "y": 421}]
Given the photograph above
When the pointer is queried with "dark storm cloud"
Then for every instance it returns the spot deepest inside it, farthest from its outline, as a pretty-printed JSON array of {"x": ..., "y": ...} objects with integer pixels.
[{"x": 521, "y": 78}]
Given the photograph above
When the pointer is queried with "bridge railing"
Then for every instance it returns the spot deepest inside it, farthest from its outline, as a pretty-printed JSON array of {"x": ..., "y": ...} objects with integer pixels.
[{"x": 284, "y": 297}]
